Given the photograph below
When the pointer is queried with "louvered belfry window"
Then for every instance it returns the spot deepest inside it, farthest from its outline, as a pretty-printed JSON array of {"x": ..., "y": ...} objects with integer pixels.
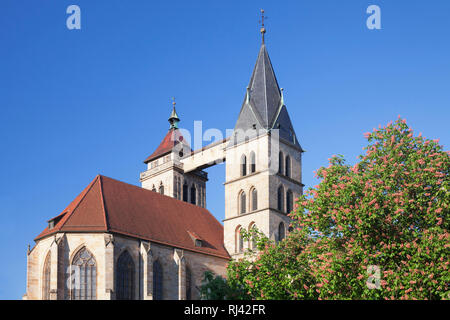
[
  {"x": 84, "y": 276},
  {"x": 125, "y": 287}
]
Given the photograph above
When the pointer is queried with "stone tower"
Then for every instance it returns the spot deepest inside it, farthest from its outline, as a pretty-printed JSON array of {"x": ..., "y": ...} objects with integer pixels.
[
  {"x": 263, "y": 162},
  {"x": 165, "y": 173}
]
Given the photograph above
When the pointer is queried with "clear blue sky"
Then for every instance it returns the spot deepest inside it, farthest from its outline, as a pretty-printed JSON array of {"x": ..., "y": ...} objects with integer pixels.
[{"x": 77, "y": 103}]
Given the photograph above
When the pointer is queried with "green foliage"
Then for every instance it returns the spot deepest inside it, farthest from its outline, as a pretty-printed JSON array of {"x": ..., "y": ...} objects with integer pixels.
[
  {"x": 390, "y": 210},
  {"x": 215, "y": 288}
]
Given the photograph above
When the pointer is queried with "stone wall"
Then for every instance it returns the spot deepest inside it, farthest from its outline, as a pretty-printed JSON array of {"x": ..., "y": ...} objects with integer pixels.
[{"x": 107, "y": 248}]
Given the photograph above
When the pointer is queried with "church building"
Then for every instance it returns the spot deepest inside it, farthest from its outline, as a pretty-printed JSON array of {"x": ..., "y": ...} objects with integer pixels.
[{"x": 121, "y": 241}]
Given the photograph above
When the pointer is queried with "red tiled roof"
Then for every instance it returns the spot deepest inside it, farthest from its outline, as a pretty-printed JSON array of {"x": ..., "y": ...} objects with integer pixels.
[
  {"x": 172, "y": 138},
  {"x": 109, "y": 205}
]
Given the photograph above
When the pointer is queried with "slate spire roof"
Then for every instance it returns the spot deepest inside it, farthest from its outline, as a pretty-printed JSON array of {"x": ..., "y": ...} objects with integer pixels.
[{"x": 263, "y": 106}]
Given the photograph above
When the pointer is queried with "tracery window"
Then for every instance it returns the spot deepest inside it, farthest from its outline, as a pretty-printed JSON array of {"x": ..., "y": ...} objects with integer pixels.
[
  {"x": 157, "y": 281},
  {"x": 83, "y": 276},
  {"x": 125, "y": 278},
  {"x": 46, "y": 277}
]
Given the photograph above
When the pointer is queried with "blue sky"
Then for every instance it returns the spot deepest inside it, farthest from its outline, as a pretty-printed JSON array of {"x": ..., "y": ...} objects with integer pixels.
[{"x": 75, "y": 103}]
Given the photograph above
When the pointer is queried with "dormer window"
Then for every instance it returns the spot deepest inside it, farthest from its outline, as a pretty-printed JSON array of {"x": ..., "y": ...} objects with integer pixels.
[
  {"x": 198, "y": 242},
  {"x": 54, "y": 221}
]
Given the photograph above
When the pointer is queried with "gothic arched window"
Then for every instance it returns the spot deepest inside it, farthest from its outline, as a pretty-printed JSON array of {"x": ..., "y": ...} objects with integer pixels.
[
  {"x": 289, "y": 201},
  {"x": 281, "y": 231},
  {"x": 254, "y": 195},
  {"x": 288, "y": 166},
  {"x": 242, "y": 202},
  {"x": 188, "y": 284},
  {"x": 175, "y": 188},
  {"x": 193, "y": 194},
  {"x": 280, "y": 198},
  {"x": 84, "y": 276},
  {"x": 185, "y": 192},
  {"x": 252, "y": 162},
  {"x": 239, "y": 240},
  {"x": 243, "y": 165},
  {"x": 46, "y": 277},
  {"x": 125, "y": 277},
  {"x": 157, "y": 281},
  {"x": 280, "y": 162},
  {"x": 252, "y": 231}
]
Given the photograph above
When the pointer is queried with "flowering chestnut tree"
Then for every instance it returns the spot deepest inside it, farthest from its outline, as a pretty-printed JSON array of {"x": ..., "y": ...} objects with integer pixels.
[{"x": 375, "y": 230}]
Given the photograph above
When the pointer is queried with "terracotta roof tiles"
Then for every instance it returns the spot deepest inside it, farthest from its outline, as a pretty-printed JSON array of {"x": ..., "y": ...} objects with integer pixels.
[{"x": 109, "y": 205}]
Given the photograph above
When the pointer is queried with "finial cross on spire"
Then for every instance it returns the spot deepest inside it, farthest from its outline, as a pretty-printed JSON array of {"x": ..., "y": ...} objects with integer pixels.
[
  {"x": 263, "y": 29},
  {"x": 173, "y": 102}
]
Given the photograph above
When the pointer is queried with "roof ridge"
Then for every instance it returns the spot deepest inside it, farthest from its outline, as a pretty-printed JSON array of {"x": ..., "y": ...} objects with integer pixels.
[
  {"x": 97, "y": 177},
  {"x": 103, "y": 202}
]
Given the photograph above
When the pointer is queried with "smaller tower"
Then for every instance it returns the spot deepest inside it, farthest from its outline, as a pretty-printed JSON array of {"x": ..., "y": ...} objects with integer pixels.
[{"x": 165, "y": 172}]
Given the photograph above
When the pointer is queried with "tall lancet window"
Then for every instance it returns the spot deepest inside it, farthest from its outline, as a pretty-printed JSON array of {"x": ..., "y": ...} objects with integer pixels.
[
  {"x": 175, "y": 188},
  {"x": 188, "y": 284},
  {"x": 280, "y": 205},
  {"x": 281, "y": 231},
  {"x": 243, "y": 165},
  {"x": 254, "y": 195},
  {"x": 242, "y": 202},
  {"x": 280, "y": 162},
  {"x": 289, "y": 201},
  {"x": 185, "y": 192},
  {"x": 46, "y": 277},
  {"x": 125, "y": 277},
  {"x": 252, "y": 230},
  {"x": 193, "y": 194},
  {"x": 239, "y": 240},
  {"x": 288, "y": 166},
  {"x": 84, "y": 276},
  {"x": 157, "y": 281},
  {"x": 252, "y": 162}
]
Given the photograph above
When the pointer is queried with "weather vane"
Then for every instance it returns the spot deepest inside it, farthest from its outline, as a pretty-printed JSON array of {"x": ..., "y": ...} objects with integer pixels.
[{"x": 263, "y": 29}]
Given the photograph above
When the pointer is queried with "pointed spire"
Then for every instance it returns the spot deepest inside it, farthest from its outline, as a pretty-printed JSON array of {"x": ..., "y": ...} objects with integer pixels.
[
  {"x": 266, "y": 94},
  {"x": 173, "y": 120}
]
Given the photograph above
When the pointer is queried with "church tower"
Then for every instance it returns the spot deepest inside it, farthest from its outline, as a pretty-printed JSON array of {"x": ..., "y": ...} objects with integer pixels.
[
  {"x": 263, "y": 162},
  {"x": 165, "y": 173}
]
